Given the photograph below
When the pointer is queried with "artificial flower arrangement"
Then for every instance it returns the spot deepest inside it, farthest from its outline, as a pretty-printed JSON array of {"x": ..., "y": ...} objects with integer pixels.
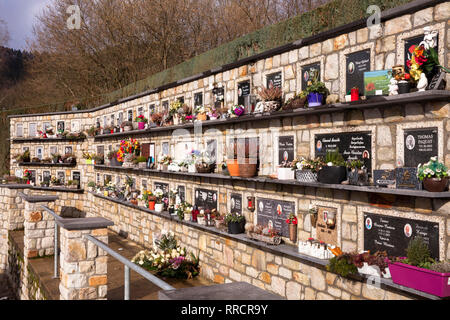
[
  {"x": 164, "y": 160},
  {"x": 236, "y": 111},
  {"x": 201, "y": 112},
  {"x": 42, "y": 134},
  {"x": 213, "y": 113},
  {"x": 141, "y": 118},
  {"x": 175, "y": 107},
  {"x": 434, "y": 175},
  {"x": 27, "y": 175},
  {"x": 204, "y": 163},
  {"x": 168, "y": 259},
  {"x": 127, "y": 149},
  {"x": 292, "y": 219},
  {"x": 306, "y": 169},
  {"x": 264, "y": 233}
]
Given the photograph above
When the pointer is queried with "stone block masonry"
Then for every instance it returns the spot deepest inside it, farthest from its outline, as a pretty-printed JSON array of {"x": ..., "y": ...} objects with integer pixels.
[{"x": 83, "y": 268}]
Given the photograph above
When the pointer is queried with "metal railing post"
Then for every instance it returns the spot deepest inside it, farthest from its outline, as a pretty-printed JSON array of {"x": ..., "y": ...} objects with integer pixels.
[
  {"x": 55, "y": 274},
  {"x": 127, "y": 283}
]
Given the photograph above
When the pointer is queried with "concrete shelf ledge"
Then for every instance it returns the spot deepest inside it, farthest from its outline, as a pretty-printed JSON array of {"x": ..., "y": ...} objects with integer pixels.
[
  {"x": 47, "y": 140},
  {"x": 375, "y": 102},
  {"x": 366, "y": 189},
  {"x": 282, "y": 250},
  {"x": 43, "y": 164},
  {"x": 37, "y": 199},
  {"x": 27, "y": 186},
  {"x": 84, "y": 223}
]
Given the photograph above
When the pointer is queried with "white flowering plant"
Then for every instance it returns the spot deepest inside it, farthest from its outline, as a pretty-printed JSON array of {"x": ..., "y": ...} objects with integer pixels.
[
  {"x": 168, "y": 259},
  {"x": 432, "y": 169},
  {"x": 158, "y": 193}
]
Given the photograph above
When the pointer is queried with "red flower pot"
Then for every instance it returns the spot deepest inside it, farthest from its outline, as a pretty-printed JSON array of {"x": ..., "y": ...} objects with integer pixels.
[
  {"x": 141, "y": 125},
  {"x": 151, "y": 205},
  {"x": 425, "y": 280}
]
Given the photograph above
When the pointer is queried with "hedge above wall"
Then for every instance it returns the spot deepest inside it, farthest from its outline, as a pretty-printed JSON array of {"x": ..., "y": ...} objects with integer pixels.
[{"x": 323, "y": 18}]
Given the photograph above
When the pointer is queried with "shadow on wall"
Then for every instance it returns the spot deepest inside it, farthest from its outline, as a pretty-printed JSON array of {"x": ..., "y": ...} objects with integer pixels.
[{"x": 71, "y": 212}]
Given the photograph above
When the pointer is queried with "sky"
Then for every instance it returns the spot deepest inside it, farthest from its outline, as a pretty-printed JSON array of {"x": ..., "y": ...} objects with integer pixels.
[{"x": 19, "y": 17}]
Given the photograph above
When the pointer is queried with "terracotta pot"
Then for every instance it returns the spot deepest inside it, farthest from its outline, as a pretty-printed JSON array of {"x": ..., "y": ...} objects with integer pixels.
[
  {"x": 233, "y": 168},
  {"x": 151, "y": 205},
  {"x": 434, "y": 184},
  {"x": 293, "y": 232},
  {"x": 201, "y": 116},
  {"x": 247, "y": 169}
]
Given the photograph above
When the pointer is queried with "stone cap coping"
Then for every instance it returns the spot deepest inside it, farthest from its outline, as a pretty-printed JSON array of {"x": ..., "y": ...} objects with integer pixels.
[
  {"x": 228, "y": 291},
  {"x": 84, "y": 223},
  {"x": 37, "y": 199}
]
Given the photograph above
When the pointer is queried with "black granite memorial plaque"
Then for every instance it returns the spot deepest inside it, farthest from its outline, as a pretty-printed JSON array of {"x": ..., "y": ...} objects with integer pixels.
[
  {"x": 384, "y": 178},
  {"x": 393, "y": 234},
  {"x": 164, "y": 187},
  {"x": 286, "y": 149},
  {"x": 273, "y": 213},
  {"x": 419, "y": 146},
  {"x": 309, "y": 73},
  {"x": 76, "y": 176},
  {"x": 46, "y": 176},
  {"x": 243, "y": 91},
  {"x": 274, "y": 79},
  {"x": 182, "y": 193},
  {"x": 352, "y": 146},
  {"x": 198, "y": 99},
  {"x": 406, "y": 178},
  {"x": 206, "y": 199},
  {"x": 357, "y": 64},
  {"x": 236, "y": 203}
]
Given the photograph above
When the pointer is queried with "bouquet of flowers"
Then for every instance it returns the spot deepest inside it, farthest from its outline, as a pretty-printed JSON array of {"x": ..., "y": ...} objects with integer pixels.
[
  {"x": 292, "y": 219},
  {"x": 432, "y": 169},
  {"x": 169, "y": 259},
  {"x": 27, "y": 175},
  {"x": 175, "y": 107},
  {"x": 127, "y": 147},
  {"x": 141, "y": 118},
  {"x": 304, "y": 164},
  {"x": 237, "y": 110},
  {"x": 159, "y": 195}
]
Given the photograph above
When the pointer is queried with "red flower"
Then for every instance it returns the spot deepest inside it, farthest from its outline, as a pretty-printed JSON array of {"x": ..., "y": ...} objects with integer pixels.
[{"x": 411, "y": 49}]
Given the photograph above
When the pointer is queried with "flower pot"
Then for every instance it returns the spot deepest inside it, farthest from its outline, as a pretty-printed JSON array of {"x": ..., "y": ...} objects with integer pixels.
[
  {"x": 435, "y": 185},
  {"x": 348, "y": 98},
  {"x": 141, "y": 125},
  {"x": 313, "y": 219},
  {"x": 236, "y": 227},
  {"x": 315, "y": 99},
  {"x": 142, "y": 165},
  {"x": 201, "y": 220},
  {"x": 425, "y": 280},
  {"x": 208, "y": 169},
  {"x": 191, "y": 168},
  {"x": 286, "y": 174},
  {"x": 159, "y": 207},
  {"x": 332, "y": 175},
  {"x": 201, "y": 116},
  {"x": 127, "y": 128},
  {"x": 218, "y": 223},
  {"x": 371, "y": 270},
  {"x": 151, "y": 205},
  {"x": 233, "y": 168},
  {"x": 187, "y": 216},
  {"x": 293, "y": 232},
  {"x": 88, "y": 161},
  {"x": 358, "y": 177},
  {"x": 306, "y": 176},
  {"x": 403, "y": 87}
]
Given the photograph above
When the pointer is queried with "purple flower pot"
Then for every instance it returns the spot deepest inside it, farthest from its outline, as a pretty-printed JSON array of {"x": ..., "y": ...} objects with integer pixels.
[
  {"x": 239, "y": 111},
  {"x": 141, "y": 125},
  {"x": 315, "y": 99},
  {"x": 425, "y": 280}
]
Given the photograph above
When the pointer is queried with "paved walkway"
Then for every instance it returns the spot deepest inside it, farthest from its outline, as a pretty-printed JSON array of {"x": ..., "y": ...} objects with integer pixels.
[{"x": 140, "y": 288}]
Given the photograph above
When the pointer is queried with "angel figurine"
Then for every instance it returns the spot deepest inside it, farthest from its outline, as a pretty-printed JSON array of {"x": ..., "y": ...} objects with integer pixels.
[
  {"x": 429, "y": 39},
  {"x": 393, "y": 87},
  {"x": 423, "y": 82}
]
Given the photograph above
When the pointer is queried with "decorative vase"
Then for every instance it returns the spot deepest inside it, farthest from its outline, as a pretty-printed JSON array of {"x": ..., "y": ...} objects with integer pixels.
[
  {"x": 313, "y": 218},
  {"x": 435, "y": 184},
  {"x": 141, "y": 125},
  {"x": 236, "y": 227},
  {"x": 187, "y": 216},
  {"x": 286, "y": 174},
  {"x": 159, "y": 207},
  {"x": 201, "y": 220},
  {"x": 293, "y": 232},
  {"x": 315, "y": 99},
  {"x": 332, "y": 174},
  {"x": 306, "y": 176},
  {"x": 403, "y": 87}
]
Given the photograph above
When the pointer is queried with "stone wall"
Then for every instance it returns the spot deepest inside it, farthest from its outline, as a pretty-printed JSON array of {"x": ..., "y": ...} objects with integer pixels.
[{"x": 224, "y": 259}]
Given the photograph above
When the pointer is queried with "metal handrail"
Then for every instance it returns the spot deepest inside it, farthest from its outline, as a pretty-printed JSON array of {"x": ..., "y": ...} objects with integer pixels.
[
  {"x": 130, "y": 265},
  {"x": 55, "y": 256}
]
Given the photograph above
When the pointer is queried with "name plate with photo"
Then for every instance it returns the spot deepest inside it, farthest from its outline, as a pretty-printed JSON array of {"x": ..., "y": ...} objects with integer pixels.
[
  {"x": 419, "y": 146},
  {"x": 357, "y": 64},
  {"x": 273, "y": 213},
  {"x": 393, "y": 234},
  {"x": 236, "y": 203},
  {"x": 352, "y": 146},
  {"x": 286, "y": 149},
  {"x": 206, "y": 199}
]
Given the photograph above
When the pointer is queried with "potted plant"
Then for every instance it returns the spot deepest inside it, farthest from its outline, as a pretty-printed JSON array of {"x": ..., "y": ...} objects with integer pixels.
[
  {"x": 317, "y": 93},
  {"x": 342, "y": 265},
  {"x": 292, "y": 222},
  {"x": 357, "y": 173},
  {"x": 24, "y": 157},
  {"x": 164, "y": 161},
  {"x": 236, "y": 111},
  {"x": 205, "y": 163},
  {"x": 235, "y": 223},
  {"x": 91, "y": 186},
  {"x": 306, "y": 170},
  {"x": 376, "y": 264},
  {"x": 434, "y": 175},
  {"x": 88, "y": 157},
  {"x": 47, "y": 160},
  {"x": 35, "y": 160},
  {"x": 263, "y": 233},
  {"x": 151, "y": 200},
  {"x": 271, "y": 99},
  {"x": 98, "y": 159},
  {"x": 188, "y": 212},
  {"x": 141, "y": 161},
  {"x": 176, "y": 111},
  {"x": 27, "y": 175},
  {"x": 141, "y": 120},
  {"x": 56, "y": 157},
  {"x": 72, "y": 184},
  {"x": 313, "y": 215},
  {"x": 55, "y": 181},
  {"x": 128, "y": 148},
  {"x": 69, "y": 158},
  {"x": 112, "y": 157},
  {"x": 420, "y": 272},
  {"x": 285, "y": 172},
  {"x": 201, "y": 218},
  {"x": 296, "y": 102},
  {"x": 335, "y": 171},
  {"x": 127, "y": 126},
  {"x": 159, "y": 194},
  {"x": 201, "y": 113}
]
